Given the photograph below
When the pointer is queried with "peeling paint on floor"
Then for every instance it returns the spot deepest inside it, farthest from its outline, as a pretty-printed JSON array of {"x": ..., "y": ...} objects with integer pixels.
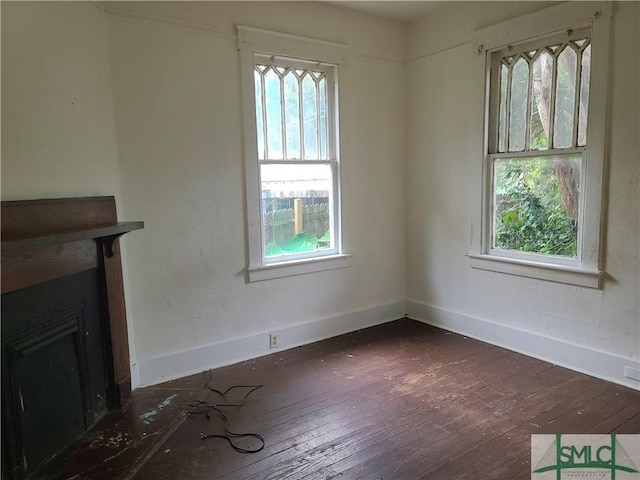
[
  {"x": 168, "y": 401},
  {"x": 147, "y": 418}
]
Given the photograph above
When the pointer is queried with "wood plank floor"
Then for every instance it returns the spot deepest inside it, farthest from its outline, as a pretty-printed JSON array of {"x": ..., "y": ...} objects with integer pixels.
[{"x": 398, "y": 401}]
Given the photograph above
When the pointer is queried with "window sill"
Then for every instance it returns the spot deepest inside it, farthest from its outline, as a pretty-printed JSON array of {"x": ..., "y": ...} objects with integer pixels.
[
  {"x": 543, "y": 271},
  {"x": 299, "y": 267}
]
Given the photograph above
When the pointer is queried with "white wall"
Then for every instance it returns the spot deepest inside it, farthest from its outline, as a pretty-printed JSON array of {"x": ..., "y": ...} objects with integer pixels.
[
  {"x": 178, "y": 108},
  {"x": 58, "y": 129},
  {"x": 442, "y": 288}
]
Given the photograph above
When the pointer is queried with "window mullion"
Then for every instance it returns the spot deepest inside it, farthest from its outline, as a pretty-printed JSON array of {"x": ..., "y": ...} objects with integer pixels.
[
  {"x": 283, "y": 114},
  {"x": 552, "y": 99},
  {"x": 301, "y": 117},
  {"x": 297, "y": 162},
  {"x": 537, "y": 153},
  {"x": 318, "y": 126}
]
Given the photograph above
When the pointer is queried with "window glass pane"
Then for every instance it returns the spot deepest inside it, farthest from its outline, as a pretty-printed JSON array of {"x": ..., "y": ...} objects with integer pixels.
[
  {"x": 259, "y": 114},
  {"x": 504, "y": 73},
  {"x": 565, "y": 99},
  {"x": 296, "y": 209},
  {"x": 273, "y": 108},
  {"x": 322, "y": 88},
  {"x": 541, "y": 101},
  {"x": 518, "y": 107},
  {"x": 536, "y": 204},
  {"x": 584, "y": 96},
  {"x": 292, "y": 115},
  {"x": 309, "y": 104}
]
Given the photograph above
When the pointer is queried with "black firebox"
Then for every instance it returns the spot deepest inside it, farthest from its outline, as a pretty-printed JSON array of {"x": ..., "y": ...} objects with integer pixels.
[{"x": 55, "y": 381}]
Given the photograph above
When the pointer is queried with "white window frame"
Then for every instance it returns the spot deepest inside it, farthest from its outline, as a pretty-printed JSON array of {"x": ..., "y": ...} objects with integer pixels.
[
  {"x": 585, "y": 270},
  {"x": 252, "y": 41}
]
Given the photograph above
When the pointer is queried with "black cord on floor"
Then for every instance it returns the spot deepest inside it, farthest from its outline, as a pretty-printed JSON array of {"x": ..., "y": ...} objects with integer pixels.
[{"x": 201, "y": 407}]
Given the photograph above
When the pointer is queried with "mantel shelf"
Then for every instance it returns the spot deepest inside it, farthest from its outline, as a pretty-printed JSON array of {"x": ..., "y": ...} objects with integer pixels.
[{"x": 17, "y": 245}]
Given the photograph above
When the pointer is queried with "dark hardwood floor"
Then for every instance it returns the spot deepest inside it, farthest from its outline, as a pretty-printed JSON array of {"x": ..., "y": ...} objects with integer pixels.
[{"x": 398, "y": 401}]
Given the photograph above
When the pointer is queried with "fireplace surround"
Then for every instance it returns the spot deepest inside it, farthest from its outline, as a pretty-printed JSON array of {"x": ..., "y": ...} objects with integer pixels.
[{"x": 65, "y": 356}]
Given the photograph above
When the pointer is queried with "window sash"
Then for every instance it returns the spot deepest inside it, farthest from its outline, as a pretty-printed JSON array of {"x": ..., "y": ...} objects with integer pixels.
[
  {"x": 521, "y": 50},
  {"x": 580, "y": 222},
  {"x": 333, "y": 216},
  {"x": 323, "y": 76}
]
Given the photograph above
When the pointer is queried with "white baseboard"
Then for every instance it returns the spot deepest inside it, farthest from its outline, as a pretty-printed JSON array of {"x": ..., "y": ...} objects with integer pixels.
[
  {"x": 174, "y": 365},
  {"x": 135, "y": 376},
  {"x": 592, "y": 362}
]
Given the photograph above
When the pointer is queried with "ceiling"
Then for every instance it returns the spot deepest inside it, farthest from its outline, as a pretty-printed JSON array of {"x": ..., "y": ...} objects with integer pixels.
[{"x": 394, "y": 10}]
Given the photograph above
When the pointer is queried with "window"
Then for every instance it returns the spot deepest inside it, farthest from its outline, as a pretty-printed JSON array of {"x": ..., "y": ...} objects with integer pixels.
[
  {"x": 544, "y": 145},
  {"x": 298, "y": 166},
  {"x": 292, "y": 153},
  {"x": 539, "y": 115}
]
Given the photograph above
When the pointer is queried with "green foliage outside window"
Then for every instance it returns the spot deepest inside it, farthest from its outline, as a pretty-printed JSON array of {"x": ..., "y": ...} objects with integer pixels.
[
  {"x": 530, "y": 215},
  {"x": 299, "y": 243}
]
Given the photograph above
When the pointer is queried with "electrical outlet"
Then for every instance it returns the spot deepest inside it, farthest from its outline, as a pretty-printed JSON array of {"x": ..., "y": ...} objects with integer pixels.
[
  {"x": 273, "y": 340},
  {"x": 632, "y": 373}
]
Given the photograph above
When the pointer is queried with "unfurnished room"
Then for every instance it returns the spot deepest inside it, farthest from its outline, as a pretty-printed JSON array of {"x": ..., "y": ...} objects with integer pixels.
[{"x": 391, "y": 240}]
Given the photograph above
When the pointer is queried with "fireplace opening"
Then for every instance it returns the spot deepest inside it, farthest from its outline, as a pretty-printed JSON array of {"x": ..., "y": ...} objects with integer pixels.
[{"x": 56, "y": 364}]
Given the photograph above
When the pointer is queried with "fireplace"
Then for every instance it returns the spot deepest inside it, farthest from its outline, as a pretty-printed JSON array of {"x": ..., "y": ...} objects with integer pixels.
[{"x": 65, "y": 358}]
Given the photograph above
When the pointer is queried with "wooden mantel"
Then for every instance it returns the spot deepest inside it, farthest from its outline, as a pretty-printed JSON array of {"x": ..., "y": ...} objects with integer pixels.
[{"x": 43, "y": 240}]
